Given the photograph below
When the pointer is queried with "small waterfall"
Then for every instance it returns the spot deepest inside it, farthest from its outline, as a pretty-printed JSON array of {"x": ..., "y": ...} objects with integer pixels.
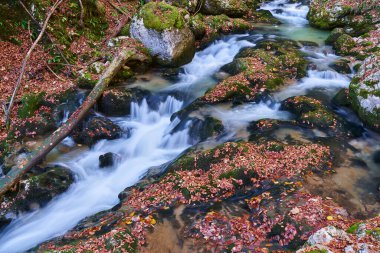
[
  {"x": 150, "y": 144},
  {"x": 242, "y": 115},
  {"x": 290, "y": 13},
  {"x": 327, "y": 80},
  {"x": 210, "y": 60}
]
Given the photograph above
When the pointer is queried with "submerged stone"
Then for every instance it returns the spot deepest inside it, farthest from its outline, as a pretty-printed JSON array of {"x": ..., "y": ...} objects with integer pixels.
[{"x": 108, "y": 159}]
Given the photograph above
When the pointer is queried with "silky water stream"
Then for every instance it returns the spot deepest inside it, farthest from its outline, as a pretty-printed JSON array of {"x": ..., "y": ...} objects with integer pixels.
[{"x": 151, "y": 144}]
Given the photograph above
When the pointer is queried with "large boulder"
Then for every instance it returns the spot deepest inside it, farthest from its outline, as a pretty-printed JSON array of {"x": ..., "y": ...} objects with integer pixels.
[
  {"x": 95, "y": 129},
  {"x": 357, "y": 16},
  {"x": 365, "y": 92},
  {"x": 117, "y": 101},
  {"x": 163, "y": 29},
  {"x": 232, "y": 8}
]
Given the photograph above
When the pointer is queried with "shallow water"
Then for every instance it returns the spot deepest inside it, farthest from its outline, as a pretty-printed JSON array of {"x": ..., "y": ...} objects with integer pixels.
[{"x": 151, "y": 144}]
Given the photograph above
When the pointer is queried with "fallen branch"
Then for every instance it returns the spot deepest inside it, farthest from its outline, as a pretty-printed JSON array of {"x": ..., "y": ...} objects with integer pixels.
[
  {"x": 16, "y": 173},
  {"x": 117, "y": 8},
  {"x": 25, "y": 61}
]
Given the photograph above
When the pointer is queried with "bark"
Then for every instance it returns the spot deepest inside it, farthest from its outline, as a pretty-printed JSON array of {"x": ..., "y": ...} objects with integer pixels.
[{"x": 55, "y": 138}]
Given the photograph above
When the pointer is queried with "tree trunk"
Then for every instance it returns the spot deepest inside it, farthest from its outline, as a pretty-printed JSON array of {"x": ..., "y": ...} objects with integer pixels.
[{"x": 14, "y": 175}]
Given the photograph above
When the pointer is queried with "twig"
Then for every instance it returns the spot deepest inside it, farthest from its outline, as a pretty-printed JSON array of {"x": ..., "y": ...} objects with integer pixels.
[
  {"x": 25, "y": 61},
  {"x": 60, "y": 78},
  {"x": 81, "y": 13},
  {"x": 117, "y": 8},
  {"x": 48, "y": 35},
  {"x": 30, "y": 33},
  {"x": 198, "y": 7}
]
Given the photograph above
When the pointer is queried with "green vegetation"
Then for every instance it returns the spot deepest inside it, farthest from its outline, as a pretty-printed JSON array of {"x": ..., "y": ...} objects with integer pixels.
[
  {"x": 30, "y": 103},
  {"x": 161, "y": 16}
]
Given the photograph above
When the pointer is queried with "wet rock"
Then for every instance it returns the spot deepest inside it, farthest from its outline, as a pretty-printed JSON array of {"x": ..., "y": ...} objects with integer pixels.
[
  {"x": 308, "y": 43},
  {"x": 198, "y": 26},
  {"x": 167, "y": 35},
  {"x": 95, "y": 129},
  {"x": 310, "y": 112},
  {"x": 364, "y": 92},
  {"x": 4, "y": 222},
  {"x": 108, "y": 159},
  {"x": 344, "y": 45},
  {"x": 208, "y": 28},
  {"x": 376, "y": 158},
  {"x": 342, "y": 98},
  {"x": 341, "y": 66},
  {"x": 200, "y": 128},
  {"x": 38, "y": 125},
  {"x": 231, "y": 8},
  {"x": 263, "y": 16},
  {"x": 117, "y": 101},
  {"x": 38, "y": 190},
  {"x": 255, "y": 71},
  {"x": 334, "y": 35}
]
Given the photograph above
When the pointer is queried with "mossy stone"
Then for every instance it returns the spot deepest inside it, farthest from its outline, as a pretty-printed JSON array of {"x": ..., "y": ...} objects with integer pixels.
[{"x": 160, "y": 16}]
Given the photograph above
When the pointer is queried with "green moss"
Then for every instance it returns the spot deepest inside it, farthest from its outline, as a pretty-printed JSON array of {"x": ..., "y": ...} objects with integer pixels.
[
  {"x": 317, "y": 251},
  {"x": 353, "y": 228},
  {"x": 86, "y": 81},
  {"x": 29, "y": 104},
  {"x": 161, "y": 16}
]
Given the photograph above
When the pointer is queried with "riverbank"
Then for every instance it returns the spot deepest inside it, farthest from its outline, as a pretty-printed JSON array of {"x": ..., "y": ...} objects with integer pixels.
[{"x": 253, "y": 145}]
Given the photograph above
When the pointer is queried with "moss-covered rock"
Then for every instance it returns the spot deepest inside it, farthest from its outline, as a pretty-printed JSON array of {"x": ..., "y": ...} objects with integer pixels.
[
  {"x": 37, "y": 190},
  {"x": 263, "y": 16},
  {"x": 344, "y": 45},
  {"x": 359, "y": 16},
  {"x": 311, "y": 112},
  {"x": 365, "y": 92},
  {"x": 29, "y": 104},
  {"x": 164, "y": 30},
  {"x": 341, "y": 66},
  {"x": 86, "y": 81},
  {"x": 342, "y": 98},
  {"x": 200, "y": 128},
  {"x": 95, "y": 129},
  {"x": 232, "y": 8},
  {"x": 258, "y": 70},
  {"x": 334, "y": 35},
  {"x": 208, "y": 28},
  {"x": 117, "y": 101}
]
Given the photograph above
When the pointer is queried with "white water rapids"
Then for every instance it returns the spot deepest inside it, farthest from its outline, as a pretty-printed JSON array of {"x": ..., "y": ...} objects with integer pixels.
[{"x": 150, "y": 143}]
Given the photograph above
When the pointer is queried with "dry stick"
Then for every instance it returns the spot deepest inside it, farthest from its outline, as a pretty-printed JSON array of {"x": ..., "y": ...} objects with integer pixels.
[
  {"x": 16, "y": 173},
  {"x": 25, "y": 61},
  {"x": 81, "y": 13},
  {"x": 117, "y": 8},
  {"x": 48, "y": 35},
  {"x": 60, "y": 78}
]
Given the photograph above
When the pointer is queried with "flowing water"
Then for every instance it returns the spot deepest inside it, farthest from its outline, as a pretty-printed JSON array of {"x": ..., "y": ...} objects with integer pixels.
[{"x": 151, "y": 144}]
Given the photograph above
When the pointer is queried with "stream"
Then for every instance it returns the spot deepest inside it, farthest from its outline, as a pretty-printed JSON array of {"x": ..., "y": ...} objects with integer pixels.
[{"x": 151, "y": 144}]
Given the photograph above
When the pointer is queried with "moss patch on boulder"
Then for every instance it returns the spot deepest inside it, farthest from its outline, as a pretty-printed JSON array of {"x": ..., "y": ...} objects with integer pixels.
[
  {"x": 365, "y": 92},
  {"x": 160, "y": 16}
]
